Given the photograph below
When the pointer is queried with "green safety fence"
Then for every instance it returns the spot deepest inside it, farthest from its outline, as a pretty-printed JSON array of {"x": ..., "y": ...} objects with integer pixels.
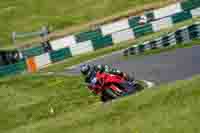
[
  {"x": 88, "y": 35},
  {"x": 150, "y": 15},
  {"x": 143, "y": 30},
  {"x": 190, "y": 4},
  {"x": 13, "y": 68},
  {"x": 102, "y": 42},
  {"x": 134, "y": 21},
  {"x": 34, "y": 51},
  {"x": 182, "y": 16},
  {"x": 60, "y": 54}
]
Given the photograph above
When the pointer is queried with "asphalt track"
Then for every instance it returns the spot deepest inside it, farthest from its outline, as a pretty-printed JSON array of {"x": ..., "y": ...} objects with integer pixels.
[{"x": 159, "y": 68}]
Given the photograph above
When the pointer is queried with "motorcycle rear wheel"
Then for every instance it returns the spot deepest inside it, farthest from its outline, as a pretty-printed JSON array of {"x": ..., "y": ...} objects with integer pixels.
[{"x": 108, "y": 95}]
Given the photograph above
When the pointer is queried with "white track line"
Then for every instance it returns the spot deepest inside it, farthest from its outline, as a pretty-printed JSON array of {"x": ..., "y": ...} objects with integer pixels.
[{"x": 149, "y": 83}]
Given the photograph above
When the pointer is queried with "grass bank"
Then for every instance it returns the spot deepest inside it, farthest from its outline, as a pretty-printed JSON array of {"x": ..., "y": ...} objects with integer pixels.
[
  {"x": 29, "y": 98},
  {"x": 26, "y": 101},
  {"x": 30, "y": 15}
]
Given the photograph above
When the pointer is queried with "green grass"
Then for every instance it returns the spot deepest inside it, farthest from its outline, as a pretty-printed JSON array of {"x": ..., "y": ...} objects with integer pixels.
[
  {"x": 30, "y": 15},
  {"x": 60, "y": 66},
  {"x": 28, "y": 99},
  {"x": 25, "y": 102}
]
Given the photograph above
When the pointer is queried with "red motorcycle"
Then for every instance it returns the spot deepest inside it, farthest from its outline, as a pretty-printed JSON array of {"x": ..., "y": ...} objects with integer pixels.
[{"x": 110, "y": 86}]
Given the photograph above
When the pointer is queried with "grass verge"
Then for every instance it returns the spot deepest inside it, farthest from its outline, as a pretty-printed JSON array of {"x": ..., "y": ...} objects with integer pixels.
[
  {"x": 167, "y": 108},
  {"x": 30, "y": 98}
]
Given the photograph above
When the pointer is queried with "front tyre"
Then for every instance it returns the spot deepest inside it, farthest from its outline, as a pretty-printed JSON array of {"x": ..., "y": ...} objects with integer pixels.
[{"x": 139, "y": 87}]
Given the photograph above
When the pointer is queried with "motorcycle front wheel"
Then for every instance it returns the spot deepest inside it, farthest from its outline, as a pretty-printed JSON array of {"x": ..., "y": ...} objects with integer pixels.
[{"x": 139, "y": 87}]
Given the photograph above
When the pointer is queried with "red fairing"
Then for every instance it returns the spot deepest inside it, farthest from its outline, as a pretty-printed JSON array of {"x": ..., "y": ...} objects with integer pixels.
[
  {"x": 106, "y": 81},
  {"x": 109, "y": 78},
  {"x": 95, "y": 88}
]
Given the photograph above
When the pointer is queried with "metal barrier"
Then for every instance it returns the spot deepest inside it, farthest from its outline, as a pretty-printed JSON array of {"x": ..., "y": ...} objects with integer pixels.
[{"x": 182, "y": 35}]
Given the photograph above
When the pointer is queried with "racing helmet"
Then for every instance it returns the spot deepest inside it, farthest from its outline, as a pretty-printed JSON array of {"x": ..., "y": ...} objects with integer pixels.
[
  {"x": 100, "y": 68},
  {"x": 85, "y": 69}
]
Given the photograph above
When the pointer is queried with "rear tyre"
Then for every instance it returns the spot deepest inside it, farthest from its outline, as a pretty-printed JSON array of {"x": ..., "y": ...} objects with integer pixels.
[{"x": 108, "y": 95}]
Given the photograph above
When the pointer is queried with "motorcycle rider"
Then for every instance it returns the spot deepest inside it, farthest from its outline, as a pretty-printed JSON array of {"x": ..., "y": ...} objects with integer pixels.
[
  {"x": 93, "y": 75},
  {"x": 90, "y": 72}
]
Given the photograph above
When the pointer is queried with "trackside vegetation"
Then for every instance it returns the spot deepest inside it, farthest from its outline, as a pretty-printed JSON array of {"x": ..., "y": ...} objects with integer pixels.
[{"x": 50, "y": 104}]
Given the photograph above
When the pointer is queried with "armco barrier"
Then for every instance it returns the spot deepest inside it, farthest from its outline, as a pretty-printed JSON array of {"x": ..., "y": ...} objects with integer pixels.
[
  {"x": 102, "y": 42},
  {"x": 182, "y": 16},
  {"x": 122, "y": 36},
  {"x": 150, "y": 15},
  {"x": 13, "y": 68},
  {"x": 190, "y": 4},
  {"x": 162, "y": 24},
  {"x": 168, "y": 11},
  {"x": 63, "y": 42},
  {"x": 38, "y": 62},
  {"x": 60, "y": 54},
  {"x": 182, "y": 35},
  {"x": 89, "y": 35},
  {"x": 193, "y": 31},
  {"x": 35, "y": 51},
  {"x": 195, "y": 12},
  {"x": 82, "y": 47},
  {"x": 134, "y": 21},
  {"x": 143, "y": 30},
  {"x": 108, "y": 29},
  {"x": 42, "y": 60}
]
